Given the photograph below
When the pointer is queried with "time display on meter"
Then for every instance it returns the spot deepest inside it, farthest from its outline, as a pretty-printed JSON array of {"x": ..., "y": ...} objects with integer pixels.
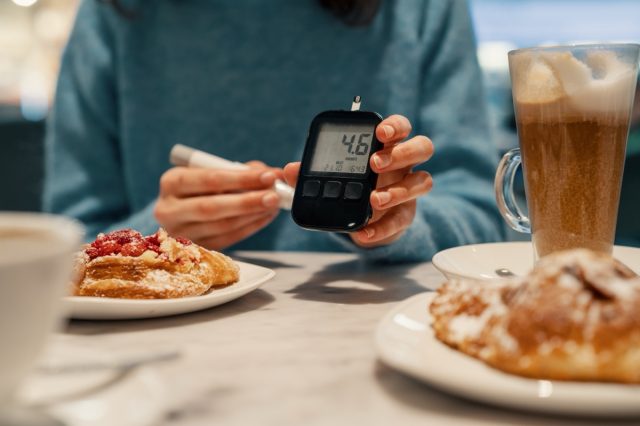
[{"x": 342, "y": 148}]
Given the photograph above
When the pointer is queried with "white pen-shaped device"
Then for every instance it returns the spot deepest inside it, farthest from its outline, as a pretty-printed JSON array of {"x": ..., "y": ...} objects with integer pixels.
[{"x": 182, "y": 155}]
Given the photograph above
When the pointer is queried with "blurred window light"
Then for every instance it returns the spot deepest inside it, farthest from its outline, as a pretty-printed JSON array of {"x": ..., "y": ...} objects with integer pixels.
[
  {"x": 533, "y": 22},
  {"x": 25, "y": 3},
  {"x": 34, "y": 96}
]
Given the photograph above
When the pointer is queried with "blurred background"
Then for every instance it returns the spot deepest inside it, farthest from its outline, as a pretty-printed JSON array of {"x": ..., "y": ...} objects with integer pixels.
[{"x": 33, "y": 34}]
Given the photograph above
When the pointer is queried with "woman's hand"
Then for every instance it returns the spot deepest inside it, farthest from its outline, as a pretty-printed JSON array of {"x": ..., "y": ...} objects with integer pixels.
[
  {"x": 217, "y": 208},
  {"x": 394, "y": 199}
]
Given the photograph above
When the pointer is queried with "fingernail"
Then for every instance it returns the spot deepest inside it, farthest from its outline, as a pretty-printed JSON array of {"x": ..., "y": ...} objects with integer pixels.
[
  {"x": 270, "y": 199},
  {"x": 427, "y": 177},
  {"x": 383, "y": 198},
  {"x": 268, "y": 178},
  {"x": 388, "y": 130},
  {"x": 382, "y": 160},
  {"x": 369, "y": 232}
]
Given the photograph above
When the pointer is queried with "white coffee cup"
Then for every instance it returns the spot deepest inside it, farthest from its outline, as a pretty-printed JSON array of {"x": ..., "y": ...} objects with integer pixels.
[{"x": 36, "y": 259}]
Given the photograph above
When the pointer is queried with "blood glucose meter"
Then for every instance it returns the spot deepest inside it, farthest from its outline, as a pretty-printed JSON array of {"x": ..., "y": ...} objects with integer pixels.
[{"x": 336, "y": 180}]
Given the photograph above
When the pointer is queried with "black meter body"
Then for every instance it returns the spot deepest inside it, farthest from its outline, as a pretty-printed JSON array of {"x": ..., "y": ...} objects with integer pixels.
[{"x": 336, "y": 180}]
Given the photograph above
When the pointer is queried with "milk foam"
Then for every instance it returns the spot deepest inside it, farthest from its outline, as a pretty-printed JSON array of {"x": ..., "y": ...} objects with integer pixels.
[
  {"x": 602, "y": 83},
  {"x": 21, "y": 245}
]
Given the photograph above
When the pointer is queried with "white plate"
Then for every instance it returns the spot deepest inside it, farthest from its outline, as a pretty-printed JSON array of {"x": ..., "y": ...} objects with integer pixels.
[
  {"x": 405, "y": 341},
  {"x": 480, "y": 261},
  {"x": 103, "y": 308}
]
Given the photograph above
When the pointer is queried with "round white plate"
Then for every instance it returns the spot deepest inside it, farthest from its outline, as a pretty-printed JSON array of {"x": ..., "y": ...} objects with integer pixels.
[
  {"x": 103, "y": 308},
  {"x": 405, "y": 341},
  {"x": 480, "y": 261}
]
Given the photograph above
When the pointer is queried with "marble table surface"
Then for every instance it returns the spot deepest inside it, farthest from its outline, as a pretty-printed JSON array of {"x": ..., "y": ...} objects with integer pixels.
[{"x": 297, "y": 351}]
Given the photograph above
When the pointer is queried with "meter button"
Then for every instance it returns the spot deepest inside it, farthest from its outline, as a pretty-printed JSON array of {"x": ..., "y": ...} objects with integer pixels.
[
  {"x": 311, "y": 189},
  {"x": 332, "y": 189},
  {"x": 353, "y": 191}
]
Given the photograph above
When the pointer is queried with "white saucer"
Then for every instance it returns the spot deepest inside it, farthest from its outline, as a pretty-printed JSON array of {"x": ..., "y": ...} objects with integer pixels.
[
  {"x": 405, "y": 341},
  {"x": 103, "y": 308},
  {"x": 480, "y": 261},
  {"x": 134, "y": 398}
]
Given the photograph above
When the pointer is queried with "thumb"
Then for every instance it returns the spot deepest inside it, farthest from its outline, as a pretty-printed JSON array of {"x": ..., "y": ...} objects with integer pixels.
[{"x": 291, "y": 172}]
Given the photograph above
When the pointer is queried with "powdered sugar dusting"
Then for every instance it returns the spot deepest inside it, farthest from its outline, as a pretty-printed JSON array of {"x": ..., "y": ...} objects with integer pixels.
[
  {"x": 560, "y": 318},
  {"x": 465, "y": 327}
]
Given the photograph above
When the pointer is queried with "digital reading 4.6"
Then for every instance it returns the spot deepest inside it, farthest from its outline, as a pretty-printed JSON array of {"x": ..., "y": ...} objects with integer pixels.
[{"x": 342, "y": 148}]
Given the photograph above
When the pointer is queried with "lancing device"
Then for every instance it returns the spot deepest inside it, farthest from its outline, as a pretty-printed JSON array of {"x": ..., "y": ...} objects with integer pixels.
[{"x": 182, "y": 155}]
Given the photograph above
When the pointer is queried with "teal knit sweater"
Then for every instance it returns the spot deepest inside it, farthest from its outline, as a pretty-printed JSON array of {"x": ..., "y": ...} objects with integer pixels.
[{"x": 242, "y": 79}]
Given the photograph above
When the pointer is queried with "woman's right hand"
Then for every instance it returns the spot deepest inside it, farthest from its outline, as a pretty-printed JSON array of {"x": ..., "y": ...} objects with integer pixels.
[{"x": 217, "y": 208}]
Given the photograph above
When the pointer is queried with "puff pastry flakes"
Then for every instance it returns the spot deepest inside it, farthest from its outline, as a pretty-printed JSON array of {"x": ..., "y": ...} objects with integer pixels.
[
  {"x": 576, "y": 316},
  {"x": 125, "y": 264}
]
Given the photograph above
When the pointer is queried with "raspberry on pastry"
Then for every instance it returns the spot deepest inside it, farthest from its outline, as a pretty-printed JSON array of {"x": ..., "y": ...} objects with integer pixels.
[
  {"x": 126, "y": 264},
  {"x": 576, "y": 316}
]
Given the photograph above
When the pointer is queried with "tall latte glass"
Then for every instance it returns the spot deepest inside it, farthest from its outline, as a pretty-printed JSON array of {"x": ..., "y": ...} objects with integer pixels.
[{"x": 573, "y": 107}]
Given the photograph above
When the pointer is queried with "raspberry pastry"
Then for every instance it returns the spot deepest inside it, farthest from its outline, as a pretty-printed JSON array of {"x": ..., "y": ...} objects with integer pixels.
[
  {"x": 576, "y": 316},
  {"x": 125, "y": 264}
]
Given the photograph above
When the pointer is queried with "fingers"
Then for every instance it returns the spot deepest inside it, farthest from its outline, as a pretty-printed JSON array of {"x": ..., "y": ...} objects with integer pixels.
[
  {"x": 214, "y": 207},
  {"x": 394, "y": 201},
  {"x": 217, "y": 207},
  {"x": 225, "y": 240},
  {"x": 407, "y": 154},
  {"x": 389, "y": 228},
  {"x": 291, "y": 172},
  {"x": 409, "y": 188},
  {"x": 256, "y": 164},
  {"x": 186, "y": 182},
  {"x": 393, "y": 129},
  {"x": 198, "y": 231},
  {"x": 394, "y": 207}
]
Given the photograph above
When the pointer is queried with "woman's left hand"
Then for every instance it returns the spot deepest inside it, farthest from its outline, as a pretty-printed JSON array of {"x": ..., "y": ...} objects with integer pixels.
[{"x": 394, "y": 199}]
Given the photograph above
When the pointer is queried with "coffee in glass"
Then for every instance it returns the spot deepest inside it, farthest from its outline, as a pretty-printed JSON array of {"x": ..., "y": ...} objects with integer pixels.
[{"x": 573, "y": 107}]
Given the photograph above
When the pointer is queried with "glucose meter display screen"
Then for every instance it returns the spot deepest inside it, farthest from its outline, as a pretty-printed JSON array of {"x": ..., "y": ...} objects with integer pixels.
[{"x": 342, "y": 148}]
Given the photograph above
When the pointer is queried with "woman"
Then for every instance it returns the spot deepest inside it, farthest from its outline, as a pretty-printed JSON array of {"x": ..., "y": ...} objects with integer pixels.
[{"x": 242, "y": 80}]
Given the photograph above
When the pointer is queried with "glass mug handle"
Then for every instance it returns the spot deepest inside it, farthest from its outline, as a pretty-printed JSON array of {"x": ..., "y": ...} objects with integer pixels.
[{"x": 505, "y": 198}]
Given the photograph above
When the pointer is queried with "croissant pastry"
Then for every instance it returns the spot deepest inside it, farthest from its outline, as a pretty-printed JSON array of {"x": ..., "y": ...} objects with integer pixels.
[
  {"x": 125, "y": 264},
  {"x": 576, "y": 316}
]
